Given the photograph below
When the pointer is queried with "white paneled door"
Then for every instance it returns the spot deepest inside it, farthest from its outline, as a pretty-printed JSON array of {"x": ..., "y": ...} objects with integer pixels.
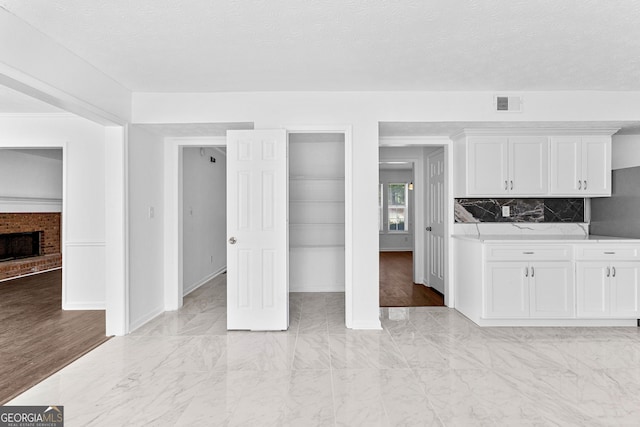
[
  {"x": 257, "y": 246},
  {"x": 435, "y": 221}
]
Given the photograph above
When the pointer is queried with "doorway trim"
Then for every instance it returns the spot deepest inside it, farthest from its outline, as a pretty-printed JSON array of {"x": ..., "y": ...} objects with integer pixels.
[
  {"x": 173, "y": 254},
  {"x": 432, "y": 141},
  {"x": 173, "y": 226}
]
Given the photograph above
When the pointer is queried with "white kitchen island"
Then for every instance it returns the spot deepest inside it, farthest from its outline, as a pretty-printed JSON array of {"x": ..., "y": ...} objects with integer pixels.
[{"x": 547, "y": 280}]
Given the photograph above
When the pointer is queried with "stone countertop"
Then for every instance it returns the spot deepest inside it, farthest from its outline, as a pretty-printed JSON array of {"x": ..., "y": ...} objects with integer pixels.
[{"x": 544, "y": 238}]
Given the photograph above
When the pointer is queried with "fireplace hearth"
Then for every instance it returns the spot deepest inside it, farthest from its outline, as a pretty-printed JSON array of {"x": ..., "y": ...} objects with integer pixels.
[{"x": 20, "y": 245}]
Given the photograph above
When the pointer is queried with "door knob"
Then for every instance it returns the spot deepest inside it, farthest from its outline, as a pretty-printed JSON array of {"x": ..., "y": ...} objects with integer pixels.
[
  {"x": 428, "y": 228},
  {"x": 232, "y": 240}
]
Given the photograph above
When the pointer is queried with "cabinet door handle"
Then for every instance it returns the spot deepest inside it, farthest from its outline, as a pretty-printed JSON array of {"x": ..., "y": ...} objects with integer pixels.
[
  {"x": 506, "y": 185},
  {"x": 532, "y": 271},
  {"x": 585, "y": 184},
  {"x": 526, "y": 272},
  {"x": 613, "y": 272},
  {"x": 608, "y": 271},
  {"x": 580, "y": 185},
  {"x": 512, "y": 184}
]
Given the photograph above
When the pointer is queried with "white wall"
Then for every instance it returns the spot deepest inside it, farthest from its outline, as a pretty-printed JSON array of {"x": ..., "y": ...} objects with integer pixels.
[
  {"x": 30, "y": 182},
  {"x": 392, "y": 241},
  {"x": 363, "y": 111},
  {"x": 625, "y": 151},
  {"x": 204, "y": 189},
  {"x": 146, "y": 230},
  {"x": 84, "y": 216}
]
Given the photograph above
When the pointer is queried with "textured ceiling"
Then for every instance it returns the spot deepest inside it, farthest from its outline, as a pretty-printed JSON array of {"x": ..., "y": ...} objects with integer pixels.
[{"x": 205, "y": 45}]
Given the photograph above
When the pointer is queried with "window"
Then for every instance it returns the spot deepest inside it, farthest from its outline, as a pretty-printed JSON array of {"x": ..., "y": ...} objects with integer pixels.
[
  {"x": 398, "y": 207},
  {"x": 380, "y": 208}
]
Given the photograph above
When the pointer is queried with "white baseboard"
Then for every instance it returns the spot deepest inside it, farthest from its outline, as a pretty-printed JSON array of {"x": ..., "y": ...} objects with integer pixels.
[
  {"x": 333, "y": 287},
  {"x": 372, "y": 325},
  {"x": 188, "y": 290},
  {"x": 396, "y": 249},
  {"x": 31, "y": 274},
  {"x": 95, "y": 305},
  {"x": 146, "y": 318}
]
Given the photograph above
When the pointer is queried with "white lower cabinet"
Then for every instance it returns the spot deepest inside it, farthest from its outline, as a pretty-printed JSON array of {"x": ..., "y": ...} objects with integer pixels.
[
  {"x": 608, "y": 289},
  {"x": 551, "y": 289},
  {"x": 541, "y": 289},
  {"x": 507, "y": 290}
]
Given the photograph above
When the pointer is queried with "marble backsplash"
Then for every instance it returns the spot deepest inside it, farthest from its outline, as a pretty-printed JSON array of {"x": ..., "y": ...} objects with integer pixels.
[{"x": 521, "y": 210}]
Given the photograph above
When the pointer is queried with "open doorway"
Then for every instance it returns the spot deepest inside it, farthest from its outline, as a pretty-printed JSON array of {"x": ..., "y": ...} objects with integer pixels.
[
  {"x": 321, "y": 212},
  {"x": 411, "y": 226},
  {"x": 34, "y": 298},
  {"x": 204, "y": 215}
]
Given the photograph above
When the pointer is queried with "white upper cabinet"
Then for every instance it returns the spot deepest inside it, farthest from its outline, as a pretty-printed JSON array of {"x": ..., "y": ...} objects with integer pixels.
[
  {"x": 488, "y": 166},
  {"x": 530, "y": 163},
  {"x": 581, "y": 166},
  {"x": 507, "y": 166}
]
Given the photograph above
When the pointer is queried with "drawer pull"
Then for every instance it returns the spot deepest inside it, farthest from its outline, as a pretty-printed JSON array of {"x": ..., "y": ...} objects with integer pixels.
[
  {"x": 610, "y": 253},
  {"x": 528, "y": 253}
]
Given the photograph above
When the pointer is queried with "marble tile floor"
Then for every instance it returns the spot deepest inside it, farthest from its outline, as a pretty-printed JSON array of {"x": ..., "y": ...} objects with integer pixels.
[{"x": 428, "y": 366}]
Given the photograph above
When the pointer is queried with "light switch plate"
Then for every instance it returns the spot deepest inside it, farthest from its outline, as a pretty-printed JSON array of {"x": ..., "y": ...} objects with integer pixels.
[{"x": 506, "y": 211}]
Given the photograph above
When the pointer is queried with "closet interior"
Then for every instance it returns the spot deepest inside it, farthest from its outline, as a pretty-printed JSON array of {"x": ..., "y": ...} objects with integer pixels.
[{"x": 316, "y": 212}]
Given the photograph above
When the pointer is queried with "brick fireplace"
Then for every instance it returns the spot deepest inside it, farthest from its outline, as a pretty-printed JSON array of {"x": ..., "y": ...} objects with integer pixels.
[{"x": 16, "y": 227}]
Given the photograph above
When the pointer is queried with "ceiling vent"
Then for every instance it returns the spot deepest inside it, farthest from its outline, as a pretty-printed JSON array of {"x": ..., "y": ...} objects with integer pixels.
[{"x": 507, "y": 104}]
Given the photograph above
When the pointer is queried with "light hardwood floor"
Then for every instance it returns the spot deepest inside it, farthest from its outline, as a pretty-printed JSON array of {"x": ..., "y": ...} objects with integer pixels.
[
  {"x": 396, "y": 283},
  {"x": 38, "y": 338}
]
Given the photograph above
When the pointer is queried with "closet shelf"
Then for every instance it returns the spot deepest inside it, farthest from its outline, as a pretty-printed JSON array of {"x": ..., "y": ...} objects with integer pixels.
[
  {"x": 315, "y": 178},
  {"x": 316, "y": 201},
  {"x": 314, "y": 224},
  {"x": 309, "y": 246}
]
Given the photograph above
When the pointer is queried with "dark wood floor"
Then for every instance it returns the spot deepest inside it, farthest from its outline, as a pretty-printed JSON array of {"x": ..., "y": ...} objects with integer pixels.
[
  {"x": 396, "y": 283},
  {"x": 38, "y": 338}
]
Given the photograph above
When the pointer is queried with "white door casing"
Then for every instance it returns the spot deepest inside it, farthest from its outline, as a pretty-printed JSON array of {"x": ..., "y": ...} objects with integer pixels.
[
  {"x": 435, "y": 221},
  {"x": 257, "y": 230}
]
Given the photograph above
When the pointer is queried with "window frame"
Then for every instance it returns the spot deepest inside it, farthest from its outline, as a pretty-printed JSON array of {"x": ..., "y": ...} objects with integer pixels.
[{"x": 384, "y": 224}]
